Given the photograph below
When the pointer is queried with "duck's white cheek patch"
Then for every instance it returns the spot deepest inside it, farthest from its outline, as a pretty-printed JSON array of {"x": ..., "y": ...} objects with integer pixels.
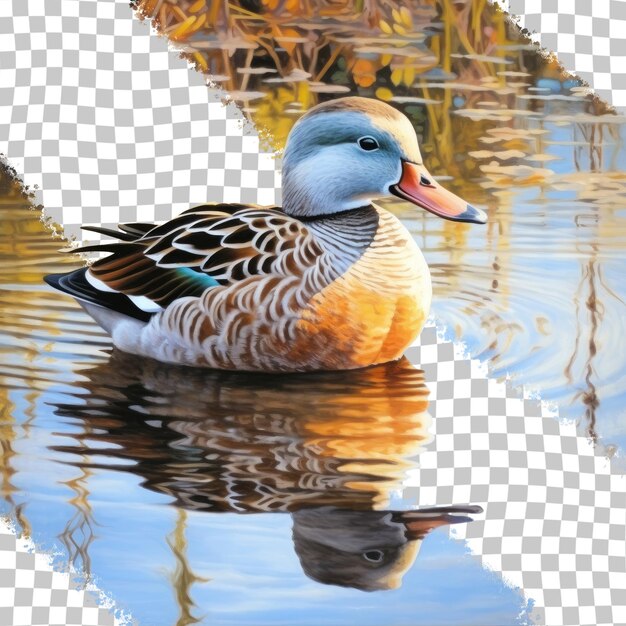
[
  {"x": 350, "y": 175},
  {"x": 396, "y": 178}
]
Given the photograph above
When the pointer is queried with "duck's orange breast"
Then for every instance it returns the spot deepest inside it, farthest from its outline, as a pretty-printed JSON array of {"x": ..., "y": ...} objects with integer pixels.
[{"x": 374, "y": 311}]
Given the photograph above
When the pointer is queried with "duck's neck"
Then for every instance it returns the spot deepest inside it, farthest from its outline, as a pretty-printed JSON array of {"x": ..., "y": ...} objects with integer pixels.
[
  {"x": 345, "y": 236},
  {"x": 305, "y": 196}
]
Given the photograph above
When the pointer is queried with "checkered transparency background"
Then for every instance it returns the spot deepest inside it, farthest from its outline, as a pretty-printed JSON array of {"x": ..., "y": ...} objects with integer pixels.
[
  {"x": 589, "y": 37},
  {"x": 112, "y": 126},
  {"x": 32, "y": 592}
]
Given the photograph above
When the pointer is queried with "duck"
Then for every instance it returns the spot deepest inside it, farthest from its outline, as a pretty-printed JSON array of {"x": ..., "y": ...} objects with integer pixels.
[{"x": 329, "y": 281}]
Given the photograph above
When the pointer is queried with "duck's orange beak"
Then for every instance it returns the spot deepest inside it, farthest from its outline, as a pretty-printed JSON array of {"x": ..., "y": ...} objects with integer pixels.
[{"x": 417, "y": 186}]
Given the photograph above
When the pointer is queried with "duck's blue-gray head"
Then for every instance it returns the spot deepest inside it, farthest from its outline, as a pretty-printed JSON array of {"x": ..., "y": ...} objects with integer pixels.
[{"x": 342, "y": 154}]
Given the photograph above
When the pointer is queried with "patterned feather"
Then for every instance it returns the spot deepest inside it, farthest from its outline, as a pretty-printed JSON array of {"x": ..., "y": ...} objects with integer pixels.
[{"x": 205, "y": 246}]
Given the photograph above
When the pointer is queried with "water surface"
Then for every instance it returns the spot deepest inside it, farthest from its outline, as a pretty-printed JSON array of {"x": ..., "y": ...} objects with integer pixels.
[{"x": 218, "y": 498}]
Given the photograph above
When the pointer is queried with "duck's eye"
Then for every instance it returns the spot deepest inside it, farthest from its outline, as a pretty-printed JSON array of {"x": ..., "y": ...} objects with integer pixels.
[
  {"x": 368, "y": 143},
  {"x": 374, "y": 556}
]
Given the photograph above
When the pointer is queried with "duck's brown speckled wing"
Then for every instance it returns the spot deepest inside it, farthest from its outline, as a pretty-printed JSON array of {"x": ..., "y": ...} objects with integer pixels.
[{"x": 206, "y": 246}]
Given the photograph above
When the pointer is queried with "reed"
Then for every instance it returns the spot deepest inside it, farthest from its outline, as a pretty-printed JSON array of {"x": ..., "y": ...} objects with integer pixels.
[{"x": 299, "y": 53}]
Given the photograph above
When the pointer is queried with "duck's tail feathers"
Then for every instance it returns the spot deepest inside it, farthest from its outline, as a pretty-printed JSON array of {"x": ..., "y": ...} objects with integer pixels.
[
  {"x": 76, "y": 285},
  {"x": 110, "y": 232},
  {"x": 126, "y": 232}
]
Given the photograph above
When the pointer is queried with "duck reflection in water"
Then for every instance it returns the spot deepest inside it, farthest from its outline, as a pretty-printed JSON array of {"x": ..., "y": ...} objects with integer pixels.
[
  {"x": 327, "y": 448},
  {"x": 368, "y": 550}
]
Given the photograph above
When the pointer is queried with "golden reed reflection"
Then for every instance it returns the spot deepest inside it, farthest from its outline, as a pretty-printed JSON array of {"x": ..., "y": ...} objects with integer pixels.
[
  {"x": 31, "y": 320},
  {"x": 7, "y": 455},
  {"x": 79, "y": 533},
  {"x": 183, "y": 578},
  {"x": 277, "y": 59},
  {"x": 330, "y": 450}
]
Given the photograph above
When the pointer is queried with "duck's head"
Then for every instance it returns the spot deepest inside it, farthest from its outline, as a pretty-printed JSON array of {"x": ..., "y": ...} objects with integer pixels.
[{"x": 342, "y": 154}]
